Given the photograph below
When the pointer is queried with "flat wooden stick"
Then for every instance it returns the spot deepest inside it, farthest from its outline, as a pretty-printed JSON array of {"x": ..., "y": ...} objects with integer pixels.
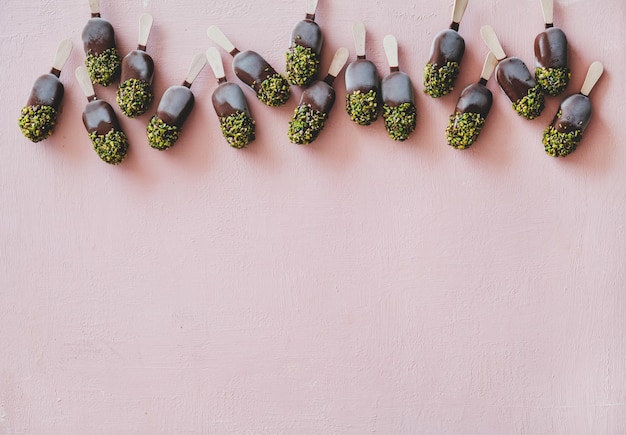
[
  {"x": 488, "y": 66},
  {"x": 459, "y": 10},
  {"x": 94, "y": 5},
  {"x": 145, "y": 25},
  {"x": 198, "y": 62},
  {"x": 593, "y": 75},
  {"x": 63, "y": 53},
  {"x": 547, "y": 6},
  {"x": 215, "y": 61},
  {"x": 390, "y": 44},
  {"x": 82, "y": 75},
  {"x": 311, "y": 7},
  {"x": 359, "y": 33},
  {"x": 491, "y": 39},
  {"x": 220, "y": 39},
  {"x": 339, "y": 60}
]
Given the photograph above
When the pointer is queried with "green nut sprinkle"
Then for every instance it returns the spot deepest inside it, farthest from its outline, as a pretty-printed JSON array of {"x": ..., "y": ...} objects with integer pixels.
[
  {"x": 553, "y": 81},
  {"x": 362, "y": 107},
  {"x": 531, "y": 105},
  {"x": 463, "y": 129},
  {"x": 161, "y": 136},
  {"x": 274, "y": 90},
  {"x": 306, "y": 124},
  {"x": 439, "y": 80},
  {"x": 105, "y": 67},
  {"x": 37, "y": 122},
  {"x": 400, "y": 120},
  {"x": 559, "y": 144},
  {"x": 302, "y": 65},
  {"x": 134, "y": 97},
  {"x": 238, "y": 129},
  {"x": 111, "y": 147}
]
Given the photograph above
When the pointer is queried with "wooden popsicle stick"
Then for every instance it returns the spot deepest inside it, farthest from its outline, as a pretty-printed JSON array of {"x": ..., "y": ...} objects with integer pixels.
[
  {"x": 63, "y": 53},
  {"x": 547, "y": 6},
  {"x": 491, "y": 39},
  {"x": 311, "y": 7},
  {"x": 94, "y": 5},
  {"x": 82, "y": 75},
  {"x": 488, "y": 66},
  {"x": 198, "y": 62},
  {"x": 145, "y": 25},
  {"x": 215, "y": 61},
  {"x": 390, "y": 44},
  {"x": 459, "y": 10},
  {"x": 359, "y": 33},
  {"x": 593, "y": 75},
  {"x": 339, "y": 60},
  {"x": 220, "y": 39}
]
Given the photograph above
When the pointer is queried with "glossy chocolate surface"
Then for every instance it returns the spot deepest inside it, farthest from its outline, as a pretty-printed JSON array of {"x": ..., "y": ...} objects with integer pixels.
[
  {"x": 175, "y": 105},
  {"x": 448, "y": 46},
  {"x": 229, "y": 99},
  {"x": 575, "y": 114},
  {"x": 99, "y": 116},
  {"x": 475, "y": 98},
  {"x": 307, "y": 34},
  {"x": 361, "y": 75},
  {"x": 319, "y": 95},
  {"x": 46, "y": 91},
  {"x": 397, "y": 89},
  {"x": 98, "y": 36},
  {"x": 551, "y": 48},
  {"x": 252, "y": 69},
  {"x": 137, "y": 65},
  {"x": 514, "y": 78}
]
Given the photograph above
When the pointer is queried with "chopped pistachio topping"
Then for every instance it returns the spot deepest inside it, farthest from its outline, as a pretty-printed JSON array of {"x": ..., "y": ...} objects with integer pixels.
[
  {"x": 37, "y": 122},
  {"x": 559, "y": 144},
  {"x": 302, "y": 65},
  {"x": 161, "y": 135},
  {"x": 400, "y": 120},
  {"x": 531, "y": 105},
  {"x": 306, "y": 124},
  {"x": 238, "y": 129},
  {"x": 105, "y": 67},
  {"x": 463, "y": 129},
  {"x": 134, "y": 97},
  {"x": 553, "y": 81},
  {"x": 362, "y": 106},
  {"x": 111, "y": 147},
  {"x": 274, "y": 90},
  {"x": 439, "y": 79}
]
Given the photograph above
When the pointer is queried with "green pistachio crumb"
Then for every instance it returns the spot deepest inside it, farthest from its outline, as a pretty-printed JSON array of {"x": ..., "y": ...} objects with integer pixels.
[
  {"x": 531, "y": 105},
  {"x": 302, "y": 65},
  {"x": 559, "y": 144},
  {"x": 553, "y": 81},
  {"x": 238, "y": 129},
  {"x": 362, "y": 106},
  {"x": 439, "y": 80},
  {"x": 274, "y": 90},
  {"x": 37, "y": 122},
  {"x": 105, "y": 67},
  {"x": 161, "y": 136},
  {"x": 400, "y": 120},
  {"x": 463, "y": 129},
  {"x": 134, "y": 97},
  {"x": 306, "y": 124},
  {"x": 111, "y": 147}
]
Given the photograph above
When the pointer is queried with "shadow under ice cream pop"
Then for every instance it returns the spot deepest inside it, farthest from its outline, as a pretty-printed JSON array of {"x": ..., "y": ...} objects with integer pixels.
[
  {"x": 134, "y": 94},
  {"x": 316, "y": 102},
  {"x": 231, "y": 107},
  {"x": 39, "y": 117},
  {"x": 174, "y": 108},
  {"x": 303, "y": 55},
  {"x": 563, "y": 135},
  {"x": 270, "y": 87},
  {"x": 399, "y": 111},
  {"x": 446, "y": 53},
  {"x": 515, "y": 79},
  {"x": 103, "y": 60},
  {"x": 471, "y": 109},
  {"x": 552, "y": 71},
  {"x": 107, "y": 137}
]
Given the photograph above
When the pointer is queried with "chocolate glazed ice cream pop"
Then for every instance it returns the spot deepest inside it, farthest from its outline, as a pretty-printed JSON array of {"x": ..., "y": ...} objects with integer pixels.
[
  {"x": 134, "y": 94},
  {"x": 316, "y": 102},
  {"x": 552, "y": 71},
  {"x": 231, "y": 107},
  {"x": 270, "y": 87},
  {"x": 471, "y": 109},
  {"x": 39, "y": 117},
  {"x": 175, "y": 106},
  {"x": 563, "y": 135},
  {"x": 303, "y": 55},
  {"x": 103, "y": 60},
  {"x": 107, "y": 137},
  {"x": 514, "y": 78},
  {"x": 399, "y": 111},
  {"x": 446, "y": 54}
]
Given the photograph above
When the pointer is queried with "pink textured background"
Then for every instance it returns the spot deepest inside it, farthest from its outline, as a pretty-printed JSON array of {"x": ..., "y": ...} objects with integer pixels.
[{"x": 354, "y": 286}]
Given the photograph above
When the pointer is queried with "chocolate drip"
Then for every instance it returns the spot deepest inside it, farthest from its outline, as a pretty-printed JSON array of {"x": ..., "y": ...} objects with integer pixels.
[
  {"x": 551, "y": 48},
  {"x": 361, "y": 75},
  {"x": 397, "y": 89},
  {"x": 307, "y": 34},
  {"x": 475, "y": 98},
  {"x": 514, "y": 78},
  {"x": 47, "y": 91},
  {"x": 229, "y": 99},
  {"x": 448, "y": 46},
  {"x": 99, "y": 116},
  {"x": 575, "y": 114},
  {"x": 319, "y": 95},
  {"x": 252, "y": 69},
  {"x": 175, "y": 105},
  {"x": 137, "y": 65},
  {"x": 98, "y": 36}
]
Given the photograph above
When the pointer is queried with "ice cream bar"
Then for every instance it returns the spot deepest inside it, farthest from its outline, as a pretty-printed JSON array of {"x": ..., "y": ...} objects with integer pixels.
[
  {"x": 399, "y": 111},
  {"x": 471, "y": 109},
  {"x": 270, "y": 87},
  {"x": 134, "y": 94},
  {"x": 103, "y": 60},
  {"x": 38, "y": 118},
  {"x": 303, "y": 55},
  {"x": 515, "y": 79},
  {"x": 173, "y": 109},
  {"x": 552, "y": 72},
  {"x": 446, "y": 53},
  {"x": 563, "y": 135},
  {"x": 231, "y": 107},
  {"x": 315, "y": 104},
  {"x": 107, "y": 137},
  {"x": 362, "y": 83}
]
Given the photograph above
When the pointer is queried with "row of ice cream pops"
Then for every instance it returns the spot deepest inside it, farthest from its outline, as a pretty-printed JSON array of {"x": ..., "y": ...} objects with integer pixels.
[{"x": 365, "y": 92}]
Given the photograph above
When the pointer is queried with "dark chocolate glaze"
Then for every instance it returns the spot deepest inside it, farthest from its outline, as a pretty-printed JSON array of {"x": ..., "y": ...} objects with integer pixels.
[
  {"x": 228, "y": 99},
  {"x": 137, "y": 65},
  {"x": 448, "y": 46},
  {"x": 575, "y": 114},
  {"x": 175, "y": 105},
  {"x": 47, "y": 91},
  {"x": 99, "y": 116},
  {"x": 397, "y": 89},
  {"x": 551, "y": 48},
  {"x": 514, "y": 78},
  {"x": 307, "y": 34},
  {"x": 98, "y": 36},
  {"x": 361, "y": 75},
  {"x": 319, "y": 95},
  {"x": 475, "y": 98},
  {"x": 252, "y": 69}
]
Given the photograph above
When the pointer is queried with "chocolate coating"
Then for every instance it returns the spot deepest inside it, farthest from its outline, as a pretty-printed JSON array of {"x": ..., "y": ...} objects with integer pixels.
[
  {"x": 307, "y": 34},
  {"x": 98, "y": 36},
  {"x": 397, "y": 89},
  {"x": 448, "y": 46},
  {"x": 137, "y": 65},
  {"x": 99, "y": 116},
  {"x": 475, "y": 98},
  {"x": 175, "y": 105},
  {"x": 46, "y": 91},
  {"x": 551, "y": 48},
  {"x": 229, "y": 99},
  {"x": 319, "y": 95},
  {"x": 361, "y": 75},
  {"x": 514, "y": 78},
  {"x": 252, "y": 69},
  {"x": 575, "y": 114}
]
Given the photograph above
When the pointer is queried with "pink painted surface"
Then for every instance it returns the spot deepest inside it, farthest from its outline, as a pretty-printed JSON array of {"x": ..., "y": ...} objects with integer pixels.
[{"x": 354, "y": 286}]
